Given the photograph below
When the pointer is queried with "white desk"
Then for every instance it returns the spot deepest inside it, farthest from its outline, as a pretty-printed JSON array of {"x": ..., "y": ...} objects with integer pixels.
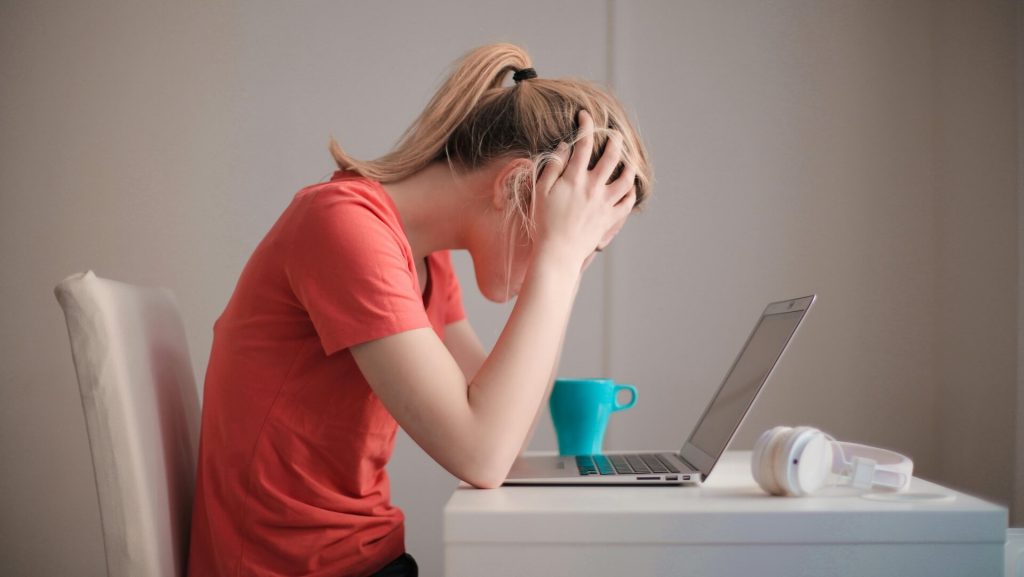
[{"x": 726, "y": 527}]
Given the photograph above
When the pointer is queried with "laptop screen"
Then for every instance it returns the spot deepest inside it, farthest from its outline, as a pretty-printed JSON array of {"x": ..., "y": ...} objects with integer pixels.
[{"x": 737, "y": 393}]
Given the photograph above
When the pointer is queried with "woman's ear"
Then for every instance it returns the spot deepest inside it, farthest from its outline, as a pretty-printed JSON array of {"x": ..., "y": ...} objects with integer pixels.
[{"x": 509, "y": 175}]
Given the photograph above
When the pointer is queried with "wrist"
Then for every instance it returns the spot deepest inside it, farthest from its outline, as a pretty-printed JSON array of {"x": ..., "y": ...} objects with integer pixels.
[
  {"x": 553, "y": 267},
  {"x": 557, "y": 257}
]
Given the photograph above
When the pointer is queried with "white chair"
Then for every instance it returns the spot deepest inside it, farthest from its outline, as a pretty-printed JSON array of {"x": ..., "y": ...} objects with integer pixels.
[{"x": 142, "y": 416}]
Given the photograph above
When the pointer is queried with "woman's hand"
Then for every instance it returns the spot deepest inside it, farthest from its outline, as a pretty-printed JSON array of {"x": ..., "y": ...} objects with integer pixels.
[{"x": 576, "y": 212}]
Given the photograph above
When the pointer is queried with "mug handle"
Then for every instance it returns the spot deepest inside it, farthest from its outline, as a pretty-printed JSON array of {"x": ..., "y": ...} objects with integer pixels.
[{"x": 631, "y": 389}]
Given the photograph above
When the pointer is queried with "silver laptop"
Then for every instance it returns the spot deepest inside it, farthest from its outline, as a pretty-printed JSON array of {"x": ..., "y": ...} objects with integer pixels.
[{"x": 715, "y": 429}]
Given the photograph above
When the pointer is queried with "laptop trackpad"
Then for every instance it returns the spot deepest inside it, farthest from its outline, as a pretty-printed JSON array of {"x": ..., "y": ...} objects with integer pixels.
[{"x": 543, "y": 466}]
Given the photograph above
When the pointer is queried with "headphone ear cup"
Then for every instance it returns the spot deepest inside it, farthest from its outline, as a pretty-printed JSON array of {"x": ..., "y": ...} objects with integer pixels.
[
  {"x": 787, "y": 458},
  {"x": 762, "y": 464},
  {"x": 815, "y": 464},
  {"x": 809, "y": 461}
]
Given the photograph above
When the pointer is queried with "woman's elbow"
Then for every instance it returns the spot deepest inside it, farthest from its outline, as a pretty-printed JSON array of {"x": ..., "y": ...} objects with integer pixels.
[
  {"x": 485, "y": 465},
  {"x": 490, "y": 477},
  {"x": 485, "y": 483}
]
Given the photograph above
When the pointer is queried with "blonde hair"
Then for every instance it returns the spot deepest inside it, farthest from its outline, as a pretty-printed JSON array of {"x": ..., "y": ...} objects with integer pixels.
[{"x": 475, "y": 118}]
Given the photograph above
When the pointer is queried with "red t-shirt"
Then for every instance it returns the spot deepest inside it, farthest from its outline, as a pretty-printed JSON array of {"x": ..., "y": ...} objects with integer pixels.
[{"x": 294, "y": 443}]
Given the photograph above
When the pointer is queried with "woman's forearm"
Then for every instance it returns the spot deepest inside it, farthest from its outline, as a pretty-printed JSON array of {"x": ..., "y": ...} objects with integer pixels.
[
  {"x": 551, "y": 379},
  {"x": 506, "y": 392}
]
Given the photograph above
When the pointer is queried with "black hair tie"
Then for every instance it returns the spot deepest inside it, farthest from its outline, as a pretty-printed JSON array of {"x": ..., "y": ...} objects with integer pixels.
[{"x": 524, "y": 74}]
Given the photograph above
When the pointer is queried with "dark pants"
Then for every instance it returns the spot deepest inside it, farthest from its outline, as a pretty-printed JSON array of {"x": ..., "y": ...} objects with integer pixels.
[{"x": 403, "y": 566}]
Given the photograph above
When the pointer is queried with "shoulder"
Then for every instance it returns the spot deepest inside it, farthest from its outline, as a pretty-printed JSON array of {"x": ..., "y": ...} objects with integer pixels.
[
  {"x": 344, "y": 222},
  {"x": 348, "y": 204},
  {"x": 347, "y": 190}
]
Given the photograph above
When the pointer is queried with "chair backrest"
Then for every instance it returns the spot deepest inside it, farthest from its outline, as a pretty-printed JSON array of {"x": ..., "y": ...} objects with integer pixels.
[{"x": 142, "y": 415}]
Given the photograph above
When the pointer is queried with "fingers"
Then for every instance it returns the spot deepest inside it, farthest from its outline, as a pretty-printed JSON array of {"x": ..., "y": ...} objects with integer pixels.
[
  {"x": 609, "y": 158},
  {"x": 582, "y": 149},
  {"x": 626, "y": 203},
  {"x": 623, "y": 184},
  {"x": 553, "y": 168}
]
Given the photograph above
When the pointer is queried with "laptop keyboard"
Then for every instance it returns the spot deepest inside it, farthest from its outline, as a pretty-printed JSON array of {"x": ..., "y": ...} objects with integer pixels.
[{"x": 623, "y": 464}]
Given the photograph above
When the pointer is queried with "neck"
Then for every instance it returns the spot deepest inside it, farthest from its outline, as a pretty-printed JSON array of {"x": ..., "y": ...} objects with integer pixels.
[{"x": 435, "y": 205}]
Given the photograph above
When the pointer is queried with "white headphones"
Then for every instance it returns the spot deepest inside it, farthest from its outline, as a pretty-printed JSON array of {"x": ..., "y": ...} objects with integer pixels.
[{"x": 797, "y": 461}]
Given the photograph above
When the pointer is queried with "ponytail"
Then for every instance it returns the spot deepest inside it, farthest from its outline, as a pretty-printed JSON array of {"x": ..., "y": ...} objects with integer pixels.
[{"x": 477, "y": 73}]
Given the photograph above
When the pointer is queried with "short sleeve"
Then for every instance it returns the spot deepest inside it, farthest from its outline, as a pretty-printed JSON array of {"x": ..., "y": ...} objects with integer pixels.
[
  {"x": 349, "y": 268},
  {"x": 454, "y": 310}
]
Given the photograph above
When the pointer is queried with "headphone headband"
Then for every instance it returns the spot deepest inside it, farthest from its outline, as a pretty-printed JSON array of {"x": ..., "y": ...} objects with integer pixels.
[{"x": 891, "y": 470}]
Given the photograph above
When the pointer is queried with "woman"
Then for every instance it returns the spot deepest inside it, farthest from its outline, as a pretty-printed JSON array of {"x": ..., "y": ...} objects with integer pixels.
[{"x": 347, "y": 320}]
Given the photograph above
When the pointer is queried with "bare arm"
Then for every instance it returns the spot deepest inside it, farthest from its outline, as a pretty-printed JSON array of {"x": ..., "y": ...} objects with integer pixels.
[
  {"x": 540, "y": 407},
  {"x": 551, "y": 380},
  {"x": 474, "y": 429},
  {"x": 462, "y": 341}
]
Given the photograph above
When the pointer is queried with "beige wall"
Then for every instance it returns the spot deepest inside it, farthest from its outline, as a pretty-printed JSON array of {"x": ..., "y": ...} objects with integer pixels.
[
  {"x": 864, "y": 151},
  {"x": 116, "y": 154},
  {"x": 1019, "y": 476},
  {"x": 975, "y": 170}
]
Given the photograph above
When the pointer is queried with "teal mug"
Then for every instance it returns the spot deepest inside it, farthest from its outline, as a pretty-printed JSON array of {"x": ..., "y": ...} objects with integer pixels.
[{"x": 580, "y": 409}]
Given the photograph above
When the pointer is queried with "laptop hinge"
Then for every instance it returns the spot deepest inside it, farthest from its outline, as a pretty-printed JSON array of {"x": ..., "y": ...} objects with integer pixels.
[{"x": 688, "y": 464}]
